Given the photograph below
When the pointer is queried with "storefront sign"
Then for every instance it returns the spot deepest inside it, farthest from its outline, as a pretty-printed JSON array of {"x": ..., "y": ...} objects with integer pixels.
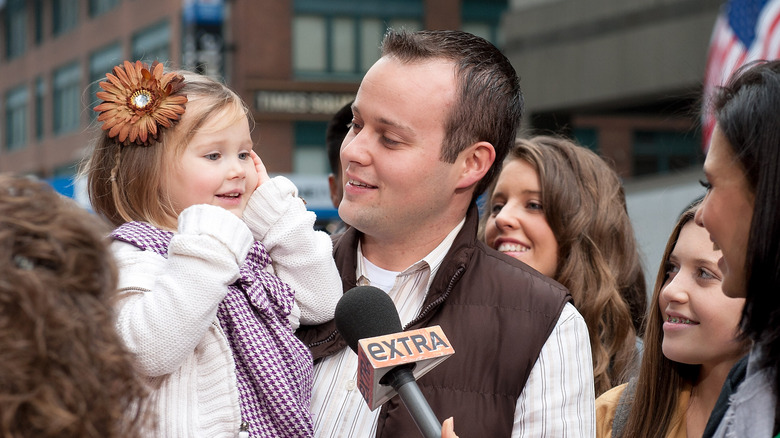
[{"x": 300, "y": 102}]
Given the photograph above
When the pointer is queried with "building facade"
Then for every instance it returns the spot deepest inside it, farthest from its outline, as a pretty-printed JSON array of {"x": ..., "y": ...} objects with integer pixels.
[
  {"x": 52, "y": 52},
  {"x": 294, "y": 62},
  {"x": 623, "y": 77}
]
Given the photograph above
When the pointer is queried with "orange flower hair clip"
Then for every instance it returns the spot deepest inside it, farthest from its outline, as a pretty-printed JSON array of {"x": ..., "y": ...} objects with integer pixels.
[{"x": 138, "y": 101}]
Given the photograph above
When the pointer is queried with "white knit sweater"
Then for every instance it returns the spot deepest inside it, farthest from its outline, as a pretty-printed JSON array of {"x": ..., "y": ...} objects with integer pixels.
[{"x": 167, "y": 311}]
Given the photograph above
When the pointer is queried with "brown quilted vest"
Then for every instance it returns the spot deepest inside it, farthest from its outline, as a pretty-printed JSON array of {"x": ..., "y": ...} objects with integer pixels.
[{"x": 497, "y": 313}]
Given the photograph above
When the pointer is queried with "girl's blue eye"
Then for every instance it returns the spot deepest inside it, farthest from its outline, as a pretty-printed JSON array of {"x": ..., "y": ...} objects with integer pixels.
[
  {"x": 213, "y": 156},
  {"x": 496, "y": 208},
  {"x": 243, "y": 155}
]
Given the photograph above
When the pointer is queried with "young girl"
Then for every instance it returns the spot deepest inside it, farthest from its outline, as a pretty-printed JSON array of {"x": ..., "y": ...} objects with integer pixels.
[
  {"x": 691, "y": 343},
  {"x": 211, "y": 253},
  {"x": 560, "y": 208}
]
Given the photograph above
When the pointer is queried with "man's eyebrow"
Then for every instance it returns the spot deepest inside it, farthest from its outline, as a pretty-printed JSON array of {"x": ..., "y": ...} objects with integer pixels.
[
  {"x": 385, "y": 121},
  {"x": 388, "y": 122}
]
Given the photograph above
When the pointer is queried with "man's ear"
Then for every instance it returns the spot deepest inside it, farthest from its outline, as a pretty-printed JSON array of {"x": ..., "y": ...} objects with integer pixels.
[{"x": 475, "y": 163}]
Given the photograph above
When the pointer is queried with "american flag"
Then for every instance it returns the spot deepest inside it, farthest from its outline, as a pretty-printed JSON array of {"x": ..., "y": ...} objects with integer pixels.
[{"x": 746, "y": 30}]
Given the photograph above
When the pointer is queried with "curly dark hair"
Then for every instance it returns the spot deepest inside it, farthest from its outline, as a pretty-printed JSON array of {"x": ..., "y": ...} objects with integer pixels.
[{"x": 64, "y": 371}]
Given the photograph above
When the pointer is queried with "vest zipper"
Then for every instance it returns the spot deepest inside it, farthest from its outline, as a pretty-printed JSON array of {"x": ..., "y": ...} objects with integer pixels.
[
  {"x": 243, "y": 431},
  {"x": 326, "y": 340},
  {"x": 439, "y": 300}
]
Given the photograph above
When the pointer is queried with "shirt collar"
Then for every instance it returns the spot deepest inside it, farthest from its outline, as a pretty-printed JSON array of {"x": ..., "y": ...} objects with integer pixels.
[{"x": 432, "y": 260}]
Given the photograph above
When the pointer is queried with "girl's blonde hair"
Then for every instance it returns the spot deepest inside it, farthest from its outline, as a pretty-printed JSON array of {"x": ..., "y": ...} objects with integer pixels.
[
  {"x": 598, "y": 261},
  {"x": 127, "y": 183}
]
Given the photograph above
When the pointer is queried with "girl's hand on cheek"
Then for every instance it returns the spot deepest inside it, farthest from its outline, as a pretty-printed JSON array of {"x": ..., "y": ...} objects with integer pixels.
[{"x": 262, "y": 174}]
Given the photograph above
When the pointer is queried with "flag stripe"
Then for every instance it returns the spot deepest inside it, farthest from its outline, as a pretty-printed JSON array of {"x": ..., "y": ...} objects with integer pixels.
[{"x": 727, "y": 52}]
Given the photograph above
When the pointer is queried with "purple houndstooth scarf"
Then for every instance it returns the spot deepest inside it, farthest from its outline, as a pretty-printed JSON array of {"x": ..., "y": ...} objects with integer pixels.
[{"x": 273, "y": 368}]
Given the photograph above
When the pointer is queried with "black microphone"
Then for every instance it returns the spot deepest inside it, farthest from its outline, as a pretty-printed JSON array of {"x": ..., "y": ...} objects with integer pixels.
[{"x": 366, "y": 312}]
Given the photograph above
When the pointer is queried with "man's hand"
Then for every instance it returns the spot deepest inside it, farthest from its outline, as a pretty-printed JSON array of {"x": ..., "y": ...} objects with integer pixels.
[{"x": 448, "y": 429}]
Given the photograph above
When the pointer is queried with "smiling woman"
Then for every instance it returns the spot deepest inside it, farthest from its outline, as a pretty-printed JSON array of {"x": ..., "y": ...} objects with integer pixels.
[
  {"x": 699, "y": 320},
  {"x": 691, "y": 343},
  {"x": 560, "y": 208}
]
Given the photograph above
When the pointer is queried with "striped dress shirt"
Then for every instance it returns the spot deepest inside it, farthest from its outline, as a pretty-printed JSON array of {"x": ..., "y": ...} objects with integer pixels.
[{"x": 558, "y": 398}]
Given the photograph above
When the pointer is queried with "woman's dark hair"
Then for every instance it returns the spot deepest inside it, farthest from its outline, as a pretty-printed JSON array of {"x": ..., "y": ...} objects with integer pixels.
[{"x": 746, "y": 111}]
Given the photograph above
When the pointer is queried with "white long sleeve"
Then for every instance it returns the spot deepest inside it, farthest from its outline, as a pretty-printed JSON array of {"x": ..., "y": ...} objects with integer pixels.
[
  {"x": 558, "y": 399},
  {"x": 167, "y": 305},
  {"x": 301, "y": 256}
]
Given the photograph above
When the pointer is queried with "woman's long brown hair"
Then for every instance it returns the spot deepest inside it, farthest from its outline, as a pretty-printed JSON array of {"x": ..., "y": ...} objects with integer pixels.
[{"x": 598, "y": 261}]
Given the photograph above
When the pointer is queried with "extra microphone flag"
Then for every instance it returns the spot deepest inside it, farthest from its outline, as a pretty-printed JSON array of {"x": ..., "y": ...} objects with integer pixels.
[{"x": 422, "y": 348}]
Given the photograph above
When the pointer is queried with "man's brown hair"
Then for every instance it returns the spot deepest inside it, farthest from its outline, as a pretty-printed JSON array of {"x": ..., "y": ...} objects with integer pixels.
[{"x": 489, "y": 106}]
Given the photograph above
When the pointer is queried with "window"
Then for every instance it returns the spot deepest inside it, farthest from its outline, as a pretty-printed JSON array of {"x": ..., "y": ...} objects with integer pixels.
[
  {"x": 482, "y": 18},
  {"x": 65, "y": 15},
  {"x": 16, "y": 118},
  {"x": 339, "y": 46},
  {"x": 665, "y": 151},
  {"x": 97, "y": 7},
  {"x": 483, "y": 30},
  {"x": 342, "y": 45},
  {"x": 67, "y": 106},
  {"x": 153, "y": 43},
  {"x": 310, "y": 156},
  {"x": 100, "y": 63},
  {"x": 40, "y": 93},
  {"x": 309, "y": 38},
  {"x": 66, "y": 170},
  {"x": 38, "y": 11},
  {"x": 345, "y": 43},
  {"x": 371, "y": 32},
  {"x": 588, "y": 137},
  {"x": 15, "y": 28},
  {"x": 408, "y": 24}
]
